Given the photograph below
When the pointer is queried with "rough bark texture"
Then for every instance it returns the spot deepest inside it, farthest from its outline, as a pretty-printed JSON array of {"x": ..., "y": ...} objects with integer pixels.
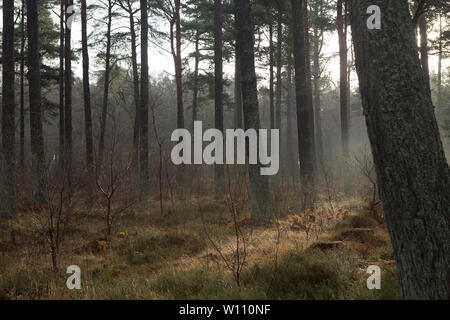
[
  {"x": 259, "y": 186},
  {"x": 34, "y": 80},
  {"x": 8, "y": 155},
  {"x": 305, "y": 117},
  {"x": 413, "y": 174},
  {"x": 143, "y": 145},
  {"x": 87, "y": 102}
]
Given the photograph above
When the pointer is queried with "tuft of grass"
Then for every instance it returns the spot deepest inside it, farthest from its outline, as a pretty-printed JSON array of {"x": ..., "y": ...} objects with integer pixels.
[
  {"x": 194, "y": 284},
  {"x": 312, "y": 274},
  {"x": 361, "y": 221},
  {"x": 362, "y": 235},
  {"x": 27, "y": 284},
  {"x": 390, "y": 287},
  {"x": 158, "y": 247}
]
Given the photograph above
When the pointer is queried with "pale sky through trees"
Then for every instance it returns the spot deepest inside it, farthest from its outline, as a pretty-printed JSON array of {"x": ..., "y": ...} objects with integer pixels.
[{"x": 161, "y": 62}]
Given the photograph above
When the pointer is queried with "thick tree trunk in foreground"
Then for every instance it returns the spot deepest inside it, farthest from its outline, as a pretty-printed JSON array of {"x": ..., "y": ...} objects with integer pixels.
[
  {"x": 259, "y": 185},
  {"x": 413, "y": 174},
  {"x": 305, "y": 117},
  {"x": 143, "y": 126},
  {"x": 8, "y": 155},
  {"x": 34, "y": 79},
  {"x": 87, "y": 103}
]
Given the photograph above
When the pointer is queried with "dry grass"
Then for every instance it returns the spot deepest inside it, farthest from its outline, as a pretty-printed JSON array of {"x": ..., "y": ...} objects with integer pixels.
[{"x": 153, "y": 256}]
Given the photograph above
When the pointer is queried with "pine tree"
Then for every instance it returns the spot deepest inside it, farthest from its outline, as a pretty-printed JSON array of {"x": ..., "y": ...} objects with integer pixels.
[{"x": 412, "y": 171}]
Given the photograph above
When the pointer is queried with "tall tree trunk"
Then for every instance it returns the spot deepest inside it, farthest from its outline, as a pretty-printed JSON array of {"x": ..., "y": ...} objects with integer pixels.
[
  {"x": 345, "y": 118},
  {"x": 136, "y": 93},
  {"x": 279, "y": 62},
  {"x": 259, "y": 185},
  {"x": 34, "y": 79},
  {"x": 271, "y": 78},
  {"x": 178, "y": 66},
  {"x": 318, "y": 42},
  {"x": 61, "y": 84},
  {"x": 219, "y": 181},
  {"x": 195, "y": 90},
  {"x": 175, "y": 40},
  {"x": 68, "y": 100},
  {"x": 238, "y": 113},
  {"x": 305, "y": 118},
  {"x": 423, "y": 28},
  {"x": 290, "y": 113},
  {"x": 22, "y": 93},
  {"x": 101, "y": 148},
  {"x": 412, "y": 171},
  {"x": 143, "y": 114},
  {"x": 308, "y": 72},
  {"x": 87, "y": 102},
  {"x": 8, "y": 155},
  {"x": 439, "y": 72}
]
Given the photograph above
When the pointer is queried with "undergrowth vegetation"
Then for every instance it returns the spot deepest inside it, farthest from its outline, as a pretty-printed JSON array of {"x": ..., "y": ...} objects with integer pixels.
[{"x": 171, "y": 256}]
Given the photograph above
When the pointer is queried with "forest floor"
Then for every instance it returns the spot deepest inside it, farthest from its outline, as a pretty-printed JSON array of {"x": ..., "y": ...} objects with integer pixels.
[{"x": 191, "y": 253}]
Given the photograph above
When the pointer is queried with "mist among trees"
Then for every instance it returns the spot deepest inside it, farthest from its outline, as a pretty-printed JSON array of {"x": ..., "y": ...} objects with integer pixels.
[{"x": 93, "y": 90}]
